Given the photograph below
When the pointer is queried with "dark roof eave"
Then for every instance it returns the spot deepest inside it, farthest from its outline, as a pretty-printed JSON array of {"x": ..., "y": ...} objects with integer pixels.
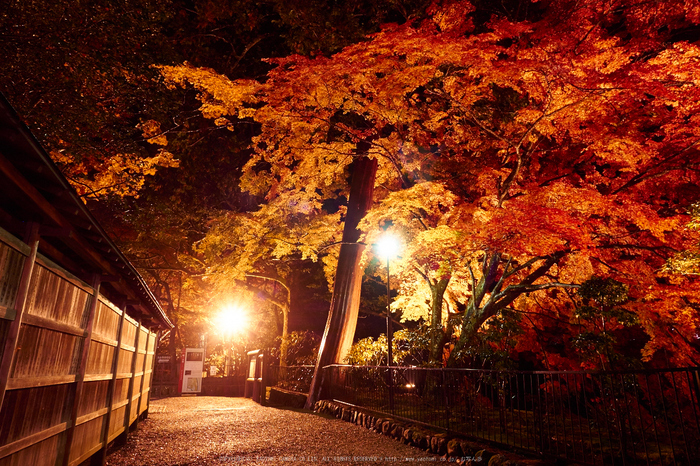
[{"x": 31, "y": 148}]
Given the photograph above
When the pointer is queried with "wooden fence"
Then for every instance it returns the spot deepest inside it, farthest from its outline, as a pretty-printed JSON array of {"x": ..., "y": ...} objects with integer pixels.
[{"x": 76, "y": 369}]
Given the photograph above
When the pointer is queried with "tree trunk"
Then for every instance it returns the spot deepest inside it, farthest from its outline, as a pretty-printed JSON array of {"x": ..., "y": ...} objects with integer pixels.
[
  {"x": 345, "y": 304},
  {"x": 172, "y": 351},
  {"x": 284, "y": 305},
  {"x": 437, "y": 336},
  {"x": 284, "y": 345},
  {"x": 499, "y": 299},
  {"x": 475, "y": 314}
]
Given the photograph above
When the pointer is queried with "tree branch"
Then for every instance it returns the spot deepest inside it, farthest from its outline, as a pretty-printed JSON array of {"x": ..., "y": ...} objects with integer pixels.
[{"x": 273, "y": 279}]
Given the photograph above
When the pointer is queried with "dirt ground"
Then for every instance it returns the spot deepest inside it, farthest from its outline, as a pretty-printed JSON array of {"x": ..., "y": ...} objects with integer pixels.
[{"x": 219, "y": 431}]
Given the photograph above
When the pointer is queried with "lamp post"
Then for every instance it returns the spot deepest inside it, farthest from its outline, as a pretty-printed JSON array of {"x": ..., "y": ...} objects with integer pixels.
[{"x": 388, "y": 246}]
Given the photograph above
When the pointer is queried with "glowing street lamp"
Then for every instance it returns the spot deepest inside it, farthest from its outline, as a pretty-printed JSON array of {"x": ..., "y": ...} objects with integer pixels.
[
  {"x": 230, "y": 321},
  {"x": 388, "y": 246}
]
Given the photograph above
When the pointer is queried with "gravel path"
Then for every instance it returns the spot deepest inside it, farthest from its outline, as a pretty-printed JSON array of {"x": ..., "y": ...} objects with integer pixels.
[{"x": 219, "y": 431}]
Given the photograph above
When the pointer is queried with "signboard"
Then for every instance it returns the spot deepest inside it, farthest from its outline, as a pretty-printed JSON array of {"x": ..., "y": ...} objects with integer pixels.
[
  {"x": 193, "y": 366},
  {"x": 251, "y": 367}
]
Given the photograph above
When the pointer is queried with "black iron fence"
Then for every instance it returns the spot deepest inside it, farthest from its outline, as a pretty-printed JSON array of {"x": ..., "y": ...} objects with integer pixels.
[
  {"x": 295, "y": 378},
  {"x": 632, "y": 417}
]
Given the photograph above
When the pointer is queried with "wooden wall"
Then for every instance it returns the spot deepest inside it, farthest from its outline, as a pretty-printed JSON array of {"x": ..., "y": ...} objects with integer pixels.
[{"x": 77, "y": 370}]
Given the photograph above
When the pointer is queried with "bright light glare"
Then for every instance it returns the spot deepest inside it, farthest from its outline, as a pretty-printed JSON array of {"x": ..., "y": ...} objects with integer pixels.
[
  {"x": 232, "y": 319},
  {"x": 388, "y": 246}
]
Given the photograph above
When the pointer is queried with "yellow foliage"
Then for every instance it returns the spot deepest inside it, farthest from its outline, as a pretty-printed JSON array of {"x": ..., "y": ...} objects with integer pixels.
[
  {"x": 122, "y": 175},
  {"x": 152, "y": 132},
  {"x": 524, "y": 141}
]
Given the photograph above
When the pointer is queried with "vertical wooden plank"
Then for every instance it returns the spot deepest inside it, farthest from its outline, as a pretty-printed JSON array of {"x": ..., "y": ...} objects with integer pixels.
[
  {"x": 153, "y": 370},
  {"x": 143, "y": 377},
  {"x": 112, "y": 386},
  {"x": 127, "y": 414},
  {"x": 12, "y": 255},
  {"x": 12, "y": 335},
  {"x": 82, "y": 365}
]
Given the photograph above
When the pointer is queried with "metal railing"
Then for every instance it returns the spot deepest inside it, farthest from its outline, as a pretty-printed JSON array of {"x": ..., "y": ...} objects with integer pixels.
[
  {"x": 295, "y": 378},
  {"x": 630, "y": 417}
]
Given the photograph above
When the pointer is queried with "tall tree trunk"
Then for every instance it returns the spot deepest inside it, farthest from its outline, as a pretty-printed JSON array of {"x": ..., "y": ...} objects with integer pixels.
[
  {"x": 437, "y": 336},
  {"x": 172, "y": 351},
  {"x": 284, "y": 345},
  {"x": 345, "y": 304}
]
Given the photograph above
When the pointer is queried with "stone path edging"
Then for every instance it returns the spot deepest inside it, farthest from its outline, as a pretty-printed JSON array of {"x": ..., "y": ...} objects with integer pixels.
[{"x": 453, "y": 449}]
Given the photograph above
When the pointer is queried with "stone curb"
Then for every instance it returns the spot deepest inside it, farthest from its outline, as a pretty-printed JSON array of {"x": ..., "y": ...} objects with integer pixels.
[{"x": 453, "y": 449}]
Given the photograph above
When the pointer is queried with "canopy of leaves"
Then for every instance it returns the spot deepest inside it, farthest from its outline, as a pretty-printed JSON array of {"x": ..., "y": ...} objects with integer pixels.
[
  {"x": 688, "y": 261},
  {"x": 520, "y": 154},
  {"x": 81, "y": 75}
]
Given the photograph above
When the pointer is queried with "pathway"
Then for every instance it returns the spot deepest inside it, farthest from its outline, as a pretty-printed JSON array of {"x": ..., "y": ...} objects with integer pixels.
[{"x": 194, "y": 431}]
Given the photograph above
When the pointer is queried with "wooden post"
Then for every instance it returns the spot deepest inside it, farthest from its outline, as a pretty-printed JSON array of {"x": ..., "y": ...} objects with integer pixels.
[
  {"x": 8, "y": 354},
  {"x": 127, "y": 413},
  {"x": 143, "y": 375},
  {"x": 111, "y": 389},
  {"x": 82, "y": 367},
  {"x": 345, "y": 304},
  {"x": 153, "y": 370}
]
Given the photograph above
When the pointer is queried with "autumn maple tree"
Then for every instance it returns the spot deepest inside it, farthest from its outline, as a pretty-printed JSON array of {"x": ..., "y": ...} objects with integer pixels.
[
  {"x": 562, "y": 144},
  {"x": 141, "y": 155}
]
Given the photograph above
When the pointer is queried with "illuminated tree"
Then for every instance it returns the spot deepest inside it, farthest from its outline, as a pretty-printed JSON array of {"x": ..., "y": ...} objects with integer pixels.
[
  {"x": 568, "y": 141},
  {"x": 258, "y": 253}
]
